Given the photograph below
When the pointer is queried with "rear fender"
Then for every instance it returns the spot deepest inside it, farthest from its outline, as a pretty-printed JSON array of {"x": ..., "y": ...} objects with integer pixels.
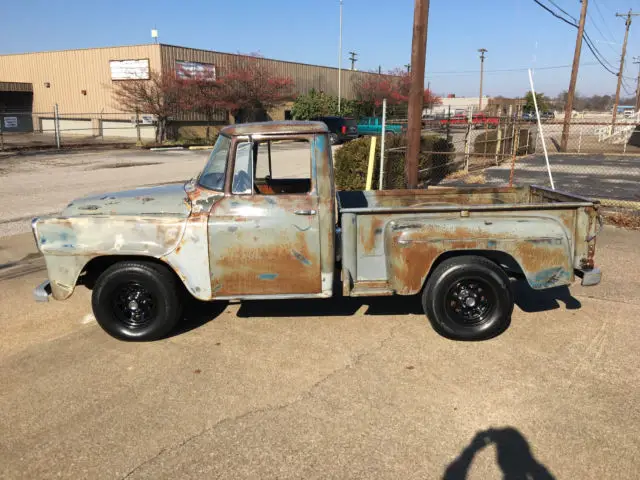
[{"x": 540, "y": 245}]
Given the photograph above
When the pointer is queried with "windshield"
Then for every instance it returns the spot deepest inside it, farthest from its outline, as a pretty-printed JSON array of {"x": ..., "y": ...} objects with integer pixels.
[{"x": 212, "y": 177}]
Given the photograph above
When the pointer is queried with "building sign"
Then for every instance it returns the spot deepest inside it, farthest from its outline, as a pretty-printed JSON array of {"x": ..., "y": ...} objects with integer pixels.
[
  {"x": 129, "y": 69},
  {"x": 10, "y": 122},
  {"x": 195, "y": 70}
]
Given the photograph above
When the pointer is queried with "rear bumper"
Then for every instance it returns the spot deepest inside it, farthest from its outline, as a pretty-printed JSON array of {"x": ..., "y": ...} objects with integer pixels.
[
  {"x": 42, "y": 292},
  {"x": 590, "y": 277}
]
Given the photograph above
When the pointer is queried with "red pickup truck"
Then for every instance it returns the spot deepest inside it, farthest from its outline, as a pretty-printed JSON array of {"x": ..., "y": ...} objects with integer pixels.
[{"x": 479, "y": 120}]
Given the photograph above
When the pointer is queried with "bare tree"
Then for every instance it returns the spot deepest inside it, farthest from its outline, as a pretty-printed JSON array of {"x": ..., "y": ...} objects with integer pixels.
[{"x": 159, "y": 96}]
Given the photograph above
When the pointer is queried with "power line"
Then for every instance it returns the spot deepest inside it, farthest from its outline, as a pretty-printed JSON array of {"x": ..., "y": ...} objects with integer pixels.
[
  {"x": 591, "y": 47},
  {"x": 600, "y": 32},
  {"x": 563, "y": 11},
  {"x": 604, "y": 22}
]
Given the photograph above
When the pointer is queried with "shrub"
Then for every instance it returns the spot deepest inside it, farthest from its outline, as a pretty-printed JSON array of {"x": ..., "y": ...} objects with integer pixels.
[{"x": 352, "y": 160}]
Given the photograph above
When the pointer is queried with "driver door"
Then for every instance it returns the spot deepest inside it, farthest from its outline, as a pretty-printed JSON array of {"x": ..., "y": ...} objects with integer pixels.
[{"x": 264, "y": 236}]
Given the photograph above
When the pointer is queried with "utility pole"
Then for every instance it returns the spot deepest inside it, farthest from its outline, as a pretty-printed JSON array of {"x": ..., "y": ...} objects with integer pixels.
[
  {"x": 340, "y": 61},
  {"x": 624, "y": 52},
  {"x": 568, "y": 107},
  {"x": 482, "y": 52},
  {"x": 416, "y": 92},
  {"x": 352, "y": 57},
  {"x": 430, "y": 95},
  {"x": 636, "y": 60},
  {"x": 408, "y": 66}
]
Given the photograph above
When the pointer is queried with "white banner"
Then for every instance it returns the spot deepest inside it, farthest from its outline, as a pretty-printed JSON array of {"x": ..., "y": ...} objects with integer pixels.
[
  {"x": 195, "y": 70},
  {"x": 129, "y": 69}
]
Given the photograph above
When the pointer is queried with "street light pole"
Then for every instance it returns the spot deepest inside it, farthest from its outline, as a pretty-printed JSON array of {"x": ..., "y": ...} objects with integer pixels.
[
  {"x": 482, "y": 52},
  {"x": 340, "y": 62}
]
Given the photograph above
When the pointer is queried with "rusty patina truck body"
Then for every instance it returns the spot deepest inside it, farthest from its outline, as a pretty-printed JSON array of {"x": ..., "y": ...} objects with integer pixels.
[{"x": 231, "y": 234}]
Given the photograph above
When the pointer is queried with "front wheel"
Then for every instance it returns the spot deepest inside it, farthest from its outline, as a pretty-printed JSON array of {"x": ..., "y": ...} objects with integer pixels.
[
  {"x": 137, "y": 301},
  {"x": 333, "y": 138},
  {"x": 468, "y": 298}
]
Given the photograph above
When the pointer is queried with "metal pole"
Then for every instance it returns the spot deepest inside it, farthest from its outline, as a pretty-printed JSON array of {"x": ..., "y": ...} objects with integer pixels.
[
  {"x": 544, "y": 145},
  {"x": 482, "y": 52},
  {"x": 56, "y": 125},
  {"x": 416, "y": 92},
  {"x": 340, "y": 62},
  {"x": 384, "y": 134},
  {"x": 138, "y": 125}
]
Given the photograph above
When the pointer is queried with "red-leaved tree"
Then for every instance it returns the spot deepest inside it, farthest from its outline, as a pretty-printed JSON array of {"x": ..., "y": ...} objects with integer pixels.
[
  {"x": 394, "y": 86},
  {"x": 250, "y": 88},
  {"x": 158, "y": 96},
  {"x": 201, "y": 93}
]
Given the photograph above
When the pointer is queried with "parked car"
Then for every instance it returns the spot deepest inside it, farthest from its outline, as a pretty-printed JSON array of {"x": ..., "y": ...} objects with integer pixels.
[
  {"x": 341, "y": 129},
  {"x": 478, "y": 120},
  {"x": 229, "y": 234},
  {"x": 373, "y": 126}
]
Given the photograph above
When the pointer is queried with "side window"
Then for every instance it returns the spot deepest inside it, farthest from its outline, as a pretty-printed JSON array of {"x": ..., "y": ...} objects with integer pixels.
[
  {"x": 243, "y": 180},
  {"x": 283, "y": 167}
]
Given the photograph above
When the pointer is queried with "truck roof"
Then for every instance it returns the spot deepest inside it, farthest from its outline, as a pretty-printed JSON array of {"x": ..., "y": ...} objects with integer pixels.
[{"x": 277, "y": 127}]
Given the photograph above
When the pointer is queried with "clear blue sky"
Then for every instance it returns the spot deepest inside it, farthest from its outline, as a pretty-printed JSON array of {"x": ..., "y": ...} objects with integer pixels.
[{"x": 517, "y": 33}]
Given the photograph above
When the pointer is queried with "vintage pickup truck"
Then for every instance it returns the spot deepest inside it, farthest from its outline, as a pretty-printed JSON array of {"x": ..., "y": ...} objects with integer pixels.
[{"x": 233, "y": 233}]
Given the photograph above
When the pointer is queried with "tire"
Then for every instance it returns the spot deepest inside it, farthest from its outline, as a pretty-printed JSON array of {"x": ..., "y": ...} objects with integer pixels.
[
  {"x": 468, "y": 298},
  {"x": 333, "y": 138},
  {"x": 137, "y": 301}
]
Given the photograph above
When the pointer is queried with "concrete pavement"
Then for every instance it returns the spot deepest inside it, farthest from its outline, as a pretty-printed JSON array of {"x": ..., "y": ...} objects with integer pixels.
[{"x": 327, "y": 389}]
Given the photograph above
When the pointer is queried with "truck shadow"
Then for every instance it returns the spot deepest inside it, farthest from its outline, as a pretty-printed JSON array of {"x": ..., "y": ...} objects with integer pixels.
[
  {"x": 198, "y": 313},
  {"x": 530, "y": 300}
]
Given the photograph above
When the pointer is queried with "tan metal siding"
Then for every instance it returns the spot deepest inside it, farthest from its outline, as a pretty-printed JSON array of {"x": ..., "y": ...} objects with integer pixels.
[
  {"x": 304, "y": 76},
  {"x": 71, "y": 71}
]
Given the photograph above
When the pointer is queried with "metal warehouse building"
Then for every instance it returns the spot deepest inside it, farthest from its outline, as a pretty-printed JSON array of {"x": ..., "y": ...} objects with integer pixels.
[{"x": 81, "y": 83}]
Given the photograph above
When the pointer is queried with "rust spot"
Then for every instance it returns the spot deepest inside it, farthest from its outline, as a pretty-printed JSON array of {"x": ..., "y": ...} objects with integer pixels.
[
  {"x": 243, "y": 264},
  {"x": 370, "y": 234},
  {"x": 537, "y": 256}
]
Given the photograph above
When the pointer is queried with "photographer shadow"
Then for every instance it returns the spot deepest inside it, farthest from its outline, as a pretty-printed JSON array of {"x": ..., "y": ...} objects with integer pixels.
[{"x": 514, "y": 456}]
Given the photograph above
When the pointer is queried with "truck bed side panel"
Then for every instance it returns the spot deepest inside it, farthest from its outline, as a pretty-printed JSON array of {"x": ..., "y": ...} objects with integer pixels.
[{"x": 541, "y": 246}]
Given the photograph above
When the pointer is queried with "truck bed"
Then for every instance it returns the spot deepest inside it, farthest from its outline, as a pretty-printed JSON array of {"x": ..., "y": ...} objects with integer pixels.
[
  {"x": 547, "y": 232},
  {"x": 456, "y": 198}
]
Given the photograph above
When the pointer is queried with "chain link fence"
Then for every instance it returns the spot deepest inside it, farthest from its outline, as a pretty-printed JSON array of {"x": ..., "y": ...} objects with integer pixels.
[
  {"x": 601, "y": 160},
  {"x": 54, "y": 129}
]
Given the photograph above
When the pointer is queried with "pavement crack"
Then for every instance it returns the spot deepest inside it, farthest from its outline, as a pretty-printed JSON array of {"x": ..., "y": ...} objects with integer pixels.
[{"x": 353, "y": 362}]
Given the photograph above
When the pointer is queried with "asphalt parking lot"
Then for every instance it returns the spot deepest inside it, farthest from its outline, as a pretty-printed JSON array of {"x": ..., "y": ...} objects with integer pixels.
[{"x": 339, "y": 388}]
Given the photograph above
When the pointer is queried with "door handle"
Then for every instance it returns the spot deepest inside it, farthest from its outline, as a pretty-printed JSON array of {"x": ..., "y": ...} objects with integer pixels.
[{"x": 305, "y": 212}]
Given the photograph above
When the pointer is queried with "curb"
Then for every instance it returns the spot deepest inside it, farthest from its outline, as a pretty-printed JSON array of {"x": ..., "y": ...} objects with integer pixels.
[
  {"x": 201, "y": 147},
  {"x": 162, "y": 149}
]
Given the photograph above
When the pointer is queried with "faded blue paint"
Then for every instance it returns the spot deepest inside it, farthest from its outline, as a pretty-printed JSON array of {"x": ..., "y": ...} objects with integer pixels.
[
  {"x": 169, "y": 199},
  {"x": 301, "y": 257},
  {"x": 268, "y": 276}
]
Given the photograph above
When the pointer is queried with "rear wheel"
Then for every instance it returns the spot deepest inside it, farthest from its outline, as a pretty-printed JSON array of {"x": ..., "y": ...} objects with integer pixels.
[
  {"x": 333, "y": 138},
  {"x": 137, "y": 301},
  {"x": 468, "y": 298}
]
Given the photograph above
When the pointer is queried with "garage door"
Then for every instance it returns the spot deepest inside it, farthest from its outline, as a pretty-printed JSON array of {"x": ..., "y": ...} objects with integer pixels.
[{"x": 113, "y": 128}]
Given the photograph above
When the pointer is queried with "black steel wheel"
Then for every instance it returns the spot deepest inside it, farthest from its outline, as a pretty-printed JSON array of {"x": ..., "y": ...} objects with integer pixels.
[
  {"x": 468, "y": 298},
  {"x": 137, "y": 301}
]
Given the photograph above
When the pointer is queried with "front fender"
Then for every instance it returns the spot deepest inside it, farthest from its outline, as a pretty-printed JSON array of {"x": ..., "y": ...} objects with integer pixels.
[
  {"x": 540, "y": 245},
  {"x": 69, "y": 243}
]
